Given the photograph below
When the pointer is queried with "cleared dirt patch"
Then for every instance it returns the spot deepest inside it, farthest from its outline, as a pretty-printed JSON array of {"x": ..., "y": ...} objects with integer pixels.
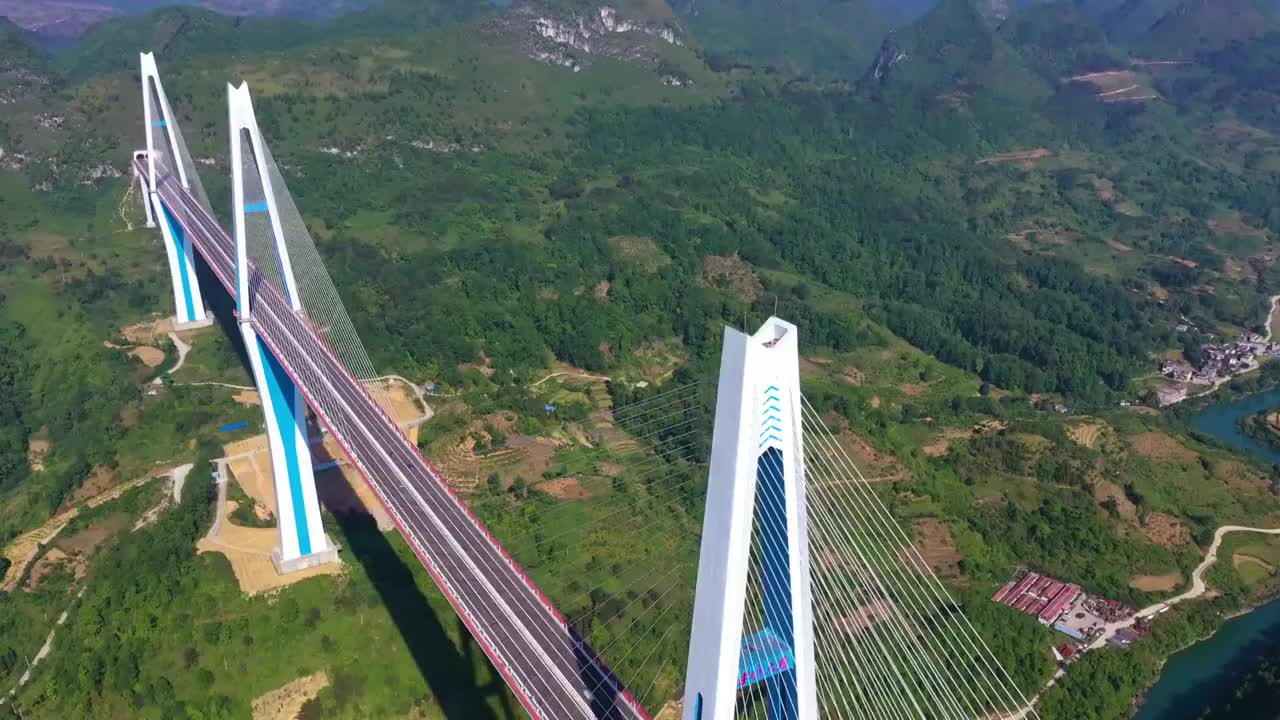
[
  {"x": 150, "y": 356},
  {"x": 249, "y": 552},
  {"x": 1087, "y": 434},
  {"x": 1105, "y": 490},
  {"x": 567, "y": 488},
  {"x": 1239, "y": 559},
  {"x": 247, "y": 397},
  {"x": 642, "y": 250},
  {"x": 1116, "y": 86},
  {"x": 1023, "y": 156},
  {"x": 1043, "y": 237},
  {"x": 101, "y": 480},
  {"x": 1158, "y": 446},
  {"x": 942, "y": 443},
  {"x": 912, "y": 389},
  {"x": 934, "y": 543},
  {"x": 1119, "y": 246},
  {"x": 734, "y": 275},
  {"x": 874, "y": 464},
  {"x": 1241, "y": 477},
  {"x": 38, "y": 447},
  {"x": 45, "y": 565},
  {"x": 25, "y": 547},
  {"x": 286, "y": 702},
  {"x": 1156, "y": 583},
  {"x": 1166, "y": 530},
  {"x": 87, "y": 541},
  {"x": 1234, "y": 226},
  {"x": 148, "y": 332}
]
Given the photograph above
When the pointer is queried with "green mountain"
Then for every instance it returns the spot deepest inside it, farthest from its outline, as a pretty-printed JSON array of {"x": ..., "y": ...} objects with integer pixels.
[
  {"x": 1197, "y": 26},
  {"x": 952, "y": 53},
  {"x": 176, "y": 33},
  {"x": 833, "y": 38},
  {"x": 24, "y": 69},
  {"x": 1182, "y": 28},
  {"x": 1060, "y": 38}
]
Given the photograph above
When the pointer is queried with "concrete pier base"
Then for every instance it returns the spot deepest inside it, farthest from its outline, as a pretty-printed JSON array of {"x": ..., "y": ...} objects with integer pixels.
[
  {"x": 284, "y": 567},
  {"x": 194, "y": 324}
]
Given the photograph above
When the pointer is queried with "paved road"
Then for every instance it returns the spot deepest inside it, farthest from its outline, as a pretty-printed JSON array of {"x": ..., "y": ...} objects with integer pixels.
[
  {"x": 1197, "y": 584},
  {"x": 555, "y": 676}
]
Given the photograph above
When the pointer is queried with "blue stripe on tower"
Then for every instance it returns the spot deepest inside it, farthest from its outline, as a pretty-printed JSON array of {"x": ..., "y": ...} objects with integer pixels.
[
  {"x": 180, "y": 242},
  {"x": 283, "y": 393},
  {"x": 771, "y": 518}
]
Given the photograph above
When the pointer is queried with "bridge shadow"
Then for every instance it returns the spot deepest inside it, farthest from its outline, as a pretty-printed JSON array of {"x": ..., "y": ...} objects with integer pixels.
[
  {"x": 605, "y": 688},
  {"x": 448, "y": 668},
  {"x": 223, "y": 307},
  {"x": 450, "y": 671}
]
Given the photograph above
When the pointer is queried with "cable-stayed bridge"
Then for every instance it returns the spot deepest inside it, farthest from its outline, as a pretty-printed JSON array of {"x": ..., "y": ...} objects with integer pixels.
[{"x": 794, "y": 595}]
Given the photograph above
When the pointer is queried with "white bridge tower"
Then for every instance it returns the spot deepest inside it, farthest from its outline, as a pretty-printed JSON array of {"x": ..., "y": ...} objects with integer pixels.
[
  {"x": 165, "y": 163},
  {"x": 303, "y": 542},
  {"x": 756, "y": 494}
]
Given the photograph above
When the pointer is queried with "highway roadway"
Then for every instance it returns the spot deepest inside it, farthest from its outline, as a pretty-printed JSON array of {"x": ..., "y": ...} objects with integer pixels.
[{"x": 554, "y": 675}]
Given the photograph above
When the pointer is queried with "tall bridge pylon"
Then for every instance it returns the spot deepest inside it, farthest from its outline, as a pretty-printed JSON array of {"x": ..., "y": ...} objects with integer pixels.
[
  {"x": 755, "y": 498},
  {"x": 255, "y": 213},
  {"x": 189, "y": 311}
]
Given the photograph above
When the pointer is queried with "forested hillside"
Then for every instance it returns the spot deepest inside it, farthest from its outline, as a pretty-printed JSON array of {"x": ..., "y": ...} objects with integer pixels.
[{"x": 991, "y": 221}]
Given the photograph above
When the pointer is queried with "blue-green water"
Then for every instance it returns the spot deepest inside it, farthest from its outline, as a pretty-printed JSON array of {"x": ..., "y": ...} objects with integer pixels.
[
  {"x": 1223, "y": 422},
  {"x": 1196, "y": 675}
]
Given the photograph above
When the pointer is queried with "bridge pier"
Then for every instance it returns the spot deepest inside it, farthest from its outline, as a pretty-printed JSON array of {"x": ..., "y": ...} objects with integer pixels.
[
  {"x": 303, "y": 542},
  {"x": 189, "y": 310},
  {"x": 144, "y": 191}
]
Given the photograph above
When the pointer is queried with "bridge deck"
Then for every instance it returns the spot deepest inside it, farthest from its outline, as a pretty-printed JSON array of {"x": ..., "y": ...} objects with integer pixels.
[{"x": 554, "y": 674}]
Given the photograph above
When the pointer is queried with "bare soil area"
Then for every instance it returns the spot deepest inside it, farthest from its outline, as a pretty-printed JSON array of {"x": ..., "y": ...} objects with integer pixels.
[
  {"x": 1156, "y": 583},
  {"x": 734, "y": 275},
  {"x": 566, "y": 488},
  {"x": 25, "y": 547},
  {"x": 1234, "y": 226},
  {"x": 643, "y": 250},
  {"x": 249, "y": 552},
  {"x": 1159, "y": 446},
  {"x": 1166, "y": 530},
  {"x": 942, "y": 443},
  {"x": 286, "y": 702},
  {"x": 148, "y": 332},
  {"x": 38, "y": 447},
  {"x": 1104, "y": 490},
  {"x": 45, "y": 565},
  {"x": 248, "y": 398},
  {"x": 1087, "y": 434},
  {"x": 1023, "y": 156},
  {"x": 152, "y": 357},
  {"x": 935, "y": 544},
  {"x": 1239, "y": 559},
  {"x": 100, "y": 480}
]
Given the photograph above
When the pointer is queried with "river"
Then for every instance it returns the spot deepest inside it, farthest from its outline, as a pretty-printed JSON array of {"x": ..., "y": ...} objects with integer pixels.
[{"x": 1196, "y": 675}]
